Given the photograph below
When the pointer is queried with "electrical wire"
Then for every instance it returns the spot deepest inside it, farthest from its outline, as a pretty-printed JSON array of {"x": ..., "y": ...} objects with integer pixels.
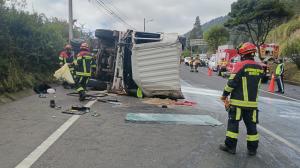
[
  {"x": 116, "y": 9},
  {"x": 102, "y": 3},
  {"x": 111, "y": 12}
]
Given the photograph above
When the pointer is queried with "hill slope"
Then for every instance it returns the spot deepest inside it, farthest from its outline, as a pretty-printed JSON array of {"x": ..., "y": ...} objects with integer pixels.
[{"x": 217, "y": 21}]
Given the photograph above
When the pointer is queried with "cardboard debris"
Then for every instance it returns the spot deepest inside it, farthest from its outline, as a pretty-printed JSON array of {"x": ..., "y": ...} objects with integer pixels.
[
  {"x": 158, "y": 101},
  {"x": 168, "y": 102}
]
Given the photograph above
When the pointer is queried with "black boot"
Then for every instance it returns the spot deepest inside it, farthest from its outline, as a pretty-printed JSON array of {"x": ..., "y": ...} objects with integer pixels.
[
  {"x": 225, "y": 148},
  {"x": 81, "y": 96},
  {"x": 251, "y": 152}
]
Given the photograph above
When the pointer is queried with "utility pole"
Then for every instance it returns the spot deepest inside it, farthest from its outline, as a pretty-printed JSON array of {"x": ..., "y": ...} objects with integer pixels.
[
  {"x": 151, "y": 20},
  {"x": 70, "y": 20},
  {"x": 144, "y": 24}
]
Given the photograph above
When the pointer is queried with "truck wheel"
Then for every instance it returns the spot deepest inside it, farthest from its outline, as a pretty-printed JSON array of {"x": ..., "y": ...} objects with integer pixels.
[{"x": 104, "y": 34}]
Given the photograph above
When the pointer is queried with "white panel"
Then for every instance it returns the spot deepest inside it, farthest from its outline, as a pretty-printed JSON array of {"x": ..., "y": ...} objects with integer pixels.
[{"x": 155, "y": 66}]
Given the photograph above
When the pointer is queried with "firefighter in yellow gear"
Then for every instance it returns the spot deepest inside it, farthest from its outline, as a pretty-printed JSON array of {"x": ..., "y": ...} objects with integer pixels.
[
  {"x": 242, "y": 86},
  {"x": 222, "y": 67},
  {"x": 196, "y": 63},
  {"x": 84, "y": 66},
  {"x": 66, "y": 57},
  {"x": 279, "y": 76}
]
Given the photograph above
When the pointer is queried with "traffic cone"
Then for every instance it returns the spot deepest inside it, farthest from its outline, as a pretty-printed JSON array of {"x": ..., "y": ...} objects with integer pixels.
[
  {"x": 209, "y": 73},
  {"x": 272, "y": 84}
]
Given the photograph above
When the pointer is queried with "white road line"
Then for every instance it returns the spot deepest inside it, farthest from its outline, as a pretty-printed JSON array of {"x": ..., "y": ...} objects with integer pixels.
[
  {"x": 279, "y": 95},
  {"x": 279, "y": 138},
  {"x": 44, "y": 146}
]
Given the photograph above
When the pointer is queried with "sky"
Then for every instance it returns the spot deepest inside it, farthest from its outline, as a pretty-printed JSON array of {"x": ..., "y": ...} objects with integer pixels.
[{"x": 174, "y": 16}]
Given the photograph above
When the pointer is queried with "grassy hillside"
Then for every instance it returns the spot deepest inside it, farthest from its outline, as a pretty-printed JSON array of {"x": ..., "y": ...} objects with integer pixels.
[{"x": 287, "y": 36}]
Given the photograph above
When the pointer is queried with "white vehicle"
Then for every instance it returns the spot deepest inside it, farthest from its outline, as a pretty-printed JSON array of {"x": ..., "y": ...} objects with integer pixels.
[
  {"x": 212, "y": 63},
  {"x": 187, "y": 60}
]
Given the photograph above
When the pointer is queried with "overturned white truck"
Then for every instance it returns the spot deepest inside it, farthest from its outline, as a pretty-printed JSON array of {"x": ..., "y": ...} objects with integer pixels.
[{"x": 131, "y": 61}]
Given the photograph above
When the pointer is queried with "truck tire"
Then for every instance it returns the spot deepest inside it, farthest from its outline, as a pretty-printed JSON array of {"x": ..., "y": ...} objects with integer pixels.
[{"x": 104, "y": 34}]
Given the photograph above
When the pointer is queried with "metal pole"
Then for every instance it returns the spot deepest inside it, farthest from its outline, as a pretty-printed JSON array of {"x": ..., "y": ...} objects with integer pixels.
[
  {"x": 144, "y": 24},
  {"x": 70, "y": 20}
]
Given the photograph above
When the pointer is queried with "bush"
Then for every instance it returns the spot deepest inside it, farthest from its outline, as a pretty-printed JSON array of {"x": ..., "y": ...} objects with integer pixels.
[
  {"x": 295, "y": 25},
  {"x": 29, "y": 46},
  {"x": 292, "y": 50},
  {"x": 186, "y": 53}
]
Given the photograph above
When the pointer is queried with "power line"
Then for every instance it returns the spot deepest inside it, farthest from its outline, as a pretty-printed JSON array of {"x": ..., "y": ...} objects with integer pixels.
[
  {"x": 101, "y": 9},
  {"x": 111, "y": 12},
  {"x": 116, "y": 9}
]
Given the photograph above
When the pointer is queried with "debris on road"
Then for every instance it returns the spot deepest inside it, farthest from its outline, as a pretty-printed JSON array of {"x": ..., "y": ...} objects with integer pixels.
[
  {"x": 95, "y": 115},
  {"x": 42, "y": 96},
  {"x": 52, "y": 103},
  {"x": 41, "y": 89},
  {"x": 90, "y": 94},
  {"x": 77, "y": 110},
  {"x": 173, "y": 119},
  {"x": 158, "y": 101},
  {"x": 186, "y": 103},
  {"x": 51, "y": 91},
  {"x": 168, "y": 102}
]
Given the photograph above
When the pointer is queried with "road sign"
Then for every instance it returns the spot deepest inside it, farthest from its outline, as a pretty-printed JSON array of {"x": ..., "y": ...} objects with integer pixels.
[{"x": 197, "y": 42}]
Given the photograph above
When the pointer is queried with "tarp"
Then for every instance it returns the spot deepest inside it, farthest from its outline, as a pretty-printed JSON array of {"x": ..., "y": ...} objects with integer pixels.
[
  {"x": 64, "y": 74},
  {"x": 173, "y": 119}
]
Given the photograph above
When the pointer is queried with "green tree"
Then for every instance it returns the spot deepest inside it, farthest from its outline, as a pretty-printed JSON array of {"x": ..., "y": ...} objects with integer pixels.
[
  {"x": 196, "y": 32},
  {"x": 256, "y": 18},
  {"x": 216, "y": 36},
  {"x": 186, "y": 53}
]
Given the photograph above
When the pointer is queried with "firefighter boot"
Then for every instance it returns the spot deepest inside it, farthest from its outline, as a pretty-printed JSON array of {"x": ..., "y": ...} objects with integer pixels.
[
  {"x": 251, "y": 152},
  {"x": 225, "y": 148},
  {"x": 82, "y": 96}
]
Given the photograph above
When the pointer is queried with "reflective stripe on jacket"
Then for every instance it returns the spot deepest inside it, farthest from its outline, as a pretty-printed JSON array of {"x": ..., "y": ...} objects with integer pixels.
[
  {"x": 65, "y": 57},
  {"x": 243, "y": 84},
  {"x": 84, "y": 64}
]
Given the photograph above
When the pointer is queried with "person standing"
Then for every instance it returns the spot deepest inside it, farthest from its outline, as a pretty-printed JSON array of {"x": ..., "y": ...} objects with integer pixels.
[
  {"x": 84, "y": 66},
  {"x": 192, "y": 64},
  {"x": 279, "y": 76},
  {"x": 66, "y": 57},
  {"x": 196, "y": 63},
  {"x": 242, "y": 86},
  {"x": 222, "y": 67}
]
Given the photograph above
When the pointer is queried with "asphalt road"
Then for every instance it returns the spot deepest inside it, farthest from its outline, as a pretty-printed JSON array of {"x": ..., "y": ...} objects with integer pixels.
[{"x": 32, "y": 134}]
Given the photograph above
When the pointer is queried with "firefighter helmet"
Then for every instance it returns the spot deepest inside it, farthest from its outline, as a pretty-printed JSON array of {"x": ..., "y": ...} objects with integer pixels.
[
  {"x": 68, "y": 46},
  {"x": 84, "y": 46},
  {"x": 247, "y": 48}
]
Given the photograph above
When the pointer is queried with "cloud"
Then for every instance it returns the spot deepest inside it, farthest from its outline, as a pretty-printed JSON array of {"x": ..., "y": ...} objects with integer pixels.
[{"x": 167, "y": 15}]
